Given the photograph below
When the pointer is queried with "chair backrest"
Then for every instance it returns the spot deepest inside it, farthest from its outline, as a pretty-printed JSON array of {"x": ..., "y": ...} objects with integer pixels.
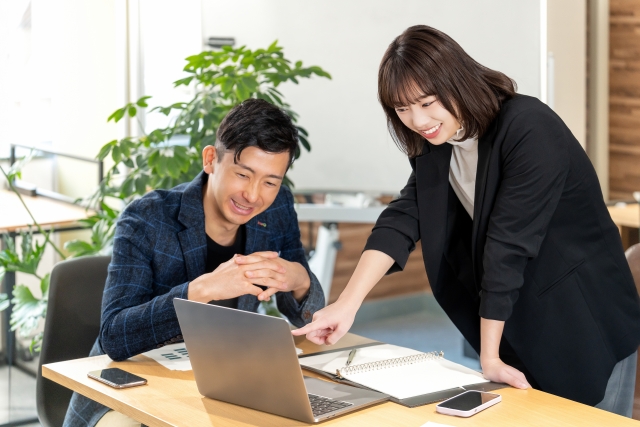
[
  {"x": 633, "y": 258},
  {"x": 71, "y": 327}
]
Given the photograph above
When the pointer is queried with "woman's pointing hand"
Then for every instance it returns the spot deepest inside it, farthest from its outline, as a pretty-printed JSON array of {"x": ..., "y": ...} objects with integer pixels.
[{"x": 329, "y": 324}]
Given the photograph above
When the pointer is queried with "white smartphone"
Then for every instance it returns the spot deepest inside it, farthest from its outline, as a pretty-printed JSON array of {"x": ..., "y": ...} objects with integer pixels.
[{"x": 468, "y": 403}]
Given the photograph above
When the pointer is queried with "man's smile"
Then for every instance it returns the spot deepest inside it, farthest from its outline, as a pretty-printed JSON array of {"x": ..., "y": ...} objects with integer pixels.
[{"x": 240, "y": 208}]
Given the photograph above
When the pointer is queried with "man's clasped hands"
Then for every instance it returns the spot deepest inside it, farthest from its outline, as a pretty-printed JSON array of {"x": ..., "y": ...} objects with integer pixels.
[{"x": 261, "y": 274}]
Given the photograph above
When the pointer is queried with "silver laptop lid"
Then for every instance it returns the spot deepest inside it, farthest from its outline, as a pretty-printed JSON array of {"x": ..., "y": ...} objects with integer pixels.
[{"x": 244, "y": 358}]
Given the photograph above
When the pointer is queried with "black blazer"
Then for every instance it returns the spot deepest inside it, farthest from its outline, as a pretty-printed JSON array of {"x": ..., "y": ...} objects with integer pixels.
[{"x": 541, "y": 253}]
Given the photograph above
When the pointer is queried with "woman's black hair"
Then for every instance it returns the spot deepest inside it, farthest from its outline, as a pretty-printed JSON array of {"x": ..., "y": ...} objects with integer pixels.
[
  {"x": 257, "y": 123},
  {"x": 423, "y": 61}
]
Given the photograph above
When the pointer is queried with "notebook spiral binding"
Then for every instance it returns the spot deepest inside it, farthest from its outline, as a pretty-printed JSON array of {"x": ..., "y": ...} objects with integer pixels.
[{"x": 389, "y": 363}]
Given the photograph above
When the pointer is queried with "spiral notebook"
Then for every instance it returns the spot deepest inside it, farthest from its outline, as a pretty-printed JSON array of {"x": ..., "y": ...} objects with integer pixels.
[{"x": 411, "y": 377}]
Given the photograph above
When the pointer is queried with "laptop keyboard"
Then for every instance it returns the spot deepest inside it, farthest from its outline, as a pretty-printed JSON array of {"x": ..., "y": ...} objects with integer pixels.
[{"x": 323, "y": 405}]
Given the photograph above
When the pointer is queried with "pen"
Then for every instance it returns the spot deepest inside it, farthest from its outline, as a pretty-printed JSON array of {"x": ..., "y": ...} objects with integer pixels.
[{"x": 352, "y": 354}]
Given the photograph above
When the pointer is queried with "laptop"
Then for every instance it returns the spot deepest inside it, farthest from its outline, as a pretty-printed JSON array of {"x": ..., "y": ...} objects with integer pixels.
[{"x": 250, "y": 359}]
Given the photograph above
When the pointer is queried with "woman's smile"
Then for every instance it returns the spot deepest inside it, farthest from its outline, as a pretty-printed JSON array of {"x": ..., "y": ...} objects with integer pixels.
[{"x": 431, "y": 132}]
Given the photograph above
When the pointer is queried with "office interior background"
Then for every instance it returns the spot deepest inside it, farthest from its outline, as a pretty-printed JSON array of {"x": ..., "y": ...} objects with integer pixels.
[{"x": 67, "y": 65}]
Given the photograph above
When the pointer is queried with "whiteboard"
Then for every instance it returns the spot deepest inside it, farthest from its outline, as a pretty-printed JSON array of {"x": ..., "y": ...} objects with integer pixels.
[{"x": 351, "y": 148}]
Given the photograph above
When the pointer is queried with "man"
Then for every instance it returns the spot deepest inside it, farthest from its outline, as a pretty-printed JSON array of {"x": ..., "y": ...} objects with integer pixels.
[{"x": 230, "y": 238}]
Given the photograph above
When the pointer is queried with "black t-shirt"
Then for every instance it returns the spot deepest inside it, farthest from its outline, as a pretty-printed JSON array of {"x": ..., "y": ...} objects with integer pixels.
[{"x": 217, "y": 254}]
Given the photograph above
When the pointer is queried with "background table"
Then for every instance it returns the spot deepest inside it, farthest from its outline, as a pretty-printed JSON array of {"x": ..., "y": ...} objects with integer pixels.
[
  {"x": 49, "y": 213},
  {"x": 627, "y": 218},
  {"x": 171, "y": 398}
]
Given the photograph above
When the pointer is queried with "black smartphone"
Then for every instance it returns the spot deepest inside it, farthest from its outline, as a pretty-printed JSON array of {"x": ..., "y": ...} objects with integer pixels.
[{"x": 117, "y": 378}]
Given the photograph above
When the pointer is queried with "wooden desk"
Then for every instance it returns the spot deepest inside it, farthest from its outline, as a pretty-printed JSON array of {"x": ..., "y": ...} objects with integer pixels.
[
  {"x": 48, "y": 212},
  {"x": 172, "y": 399},
  {"x": 627, "y": 218}
]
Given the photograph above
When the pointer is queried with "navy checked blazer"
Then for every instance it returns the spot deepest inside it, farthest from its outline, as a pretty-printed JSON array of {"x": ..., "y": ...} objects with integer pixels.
[{"x": 159, "y": 247}]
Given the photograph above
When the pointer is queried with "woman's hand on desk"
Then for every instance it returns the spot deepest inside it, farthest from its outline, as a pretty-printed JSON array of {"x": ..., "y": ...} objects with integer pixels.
[
  {"x": 329, "y": 324},
  {"x": 497, "y": 371},
  {"x": 493, "y": 368}
]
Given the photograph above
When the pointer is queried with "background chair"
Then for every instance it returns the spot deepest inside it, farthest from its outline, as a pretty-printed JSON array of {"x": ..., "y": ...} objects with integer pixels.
[
  {"x": 71, "y": 327},
  {"x": 633, "y": 257}
]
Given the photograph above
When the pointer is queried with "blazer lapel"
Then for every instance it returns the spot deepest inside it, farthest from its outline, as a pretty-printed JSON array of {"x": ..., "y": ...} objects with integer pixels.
[
  {"x": 193, "y": 241},
  {"x": 485, "y": 146},
  {"x": 432, "y": 174}
]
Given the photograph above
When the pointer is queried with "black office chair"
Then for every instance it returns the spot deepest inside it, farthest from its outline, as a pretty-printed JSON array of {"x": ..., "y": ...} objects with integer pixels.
[{"x": 71, "y": 327}]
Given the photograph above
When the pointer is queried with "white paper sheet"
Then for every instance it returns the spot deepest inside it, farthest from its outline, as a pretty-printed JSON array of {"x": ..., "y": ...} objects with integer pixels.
[{"x": 176, "y": 357}]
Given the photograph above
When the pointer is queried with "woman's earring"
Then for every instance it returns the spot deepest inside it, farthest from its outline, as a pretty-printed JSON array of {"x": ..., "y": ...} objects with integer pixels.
[{"x": 458, "y": 132}]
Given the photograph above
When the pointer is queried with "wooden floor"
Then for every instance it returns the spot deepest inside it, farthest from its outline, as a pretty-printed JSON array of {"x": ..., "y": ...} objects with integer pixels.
[{"x": 624, "y": 102}]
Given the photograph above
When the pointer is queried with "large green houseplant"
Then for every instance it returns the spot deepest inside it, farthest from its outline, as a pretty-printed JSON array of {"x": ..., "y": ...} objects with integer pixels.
[{"x": 222, "y": 79}]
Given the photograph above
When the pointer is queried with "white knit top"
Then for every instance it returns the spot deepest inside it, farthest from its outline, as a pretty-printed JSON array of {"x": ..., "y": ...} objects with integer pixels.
[{"x": 462, "y": 172}]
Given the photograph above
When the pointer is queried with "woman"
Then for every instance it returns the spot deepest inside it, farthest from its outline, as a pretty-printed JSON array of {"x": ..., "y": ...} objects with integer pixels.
[{"x": 518, "y": 245}]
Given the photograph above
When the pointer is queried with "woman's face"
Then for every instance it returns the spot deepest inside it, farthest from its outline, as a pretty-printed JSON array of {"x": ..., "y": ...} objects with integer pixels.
[{"x": 430, "y": 119}]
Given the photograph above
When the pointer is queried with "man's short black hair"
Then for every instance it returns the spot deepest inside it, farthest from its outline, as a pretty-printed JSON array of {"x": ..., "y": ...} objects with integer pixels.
[{"x": 257, "y": 123}]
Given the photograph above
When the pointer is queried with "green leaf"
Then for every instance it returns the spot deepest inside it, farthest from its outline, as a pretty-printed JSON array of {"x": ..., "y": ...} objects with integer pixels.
[
  {"x": 27, "y": 260},
  {"x": 106, "y": 149},
  {"x": 28, "y": 310},
  {"x": 304, "y": 142},
  {"x": 132, "y": 111},
  {"x": 142, "y": 102},
  {"x": 320, "y": 72},
  {"x": 116, "y": 154},
  {"x": 154, "y": 157},
  {"x": 44, "y": 286},
  {"x": 273, "y": 46},
  {"x": 4, "y": 302},
  {"x": 78, "y": 247},
  {"x": 183, "y": 82},
  {"x": 36, "y": 343},
  {"x": 108, "y": 211},
  {"x": 227, "y": 84},
  {"x": 128, "y": 186},
  {"x": 23, "y": 295},
  {"x": 141, "y": 184},
  {"x": 117, "y": 115},
  {"x": 250, "y": 82}
]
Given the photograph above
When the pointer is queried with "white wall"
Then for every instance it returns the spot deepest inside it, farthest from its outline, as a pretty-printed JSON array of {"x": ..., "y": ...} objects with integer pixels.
[
  {"x": 567, "y": 41},
  {"x": 351, "y": 148},
  {"x": 168, "y": 35},
  {"x": 75, "y": 54}
]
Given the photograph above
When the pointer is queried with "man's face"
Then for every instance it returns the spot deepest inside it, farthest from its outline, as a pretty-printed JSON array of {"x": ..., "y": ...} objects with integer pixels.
[{"x": 243, "y": 189}]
